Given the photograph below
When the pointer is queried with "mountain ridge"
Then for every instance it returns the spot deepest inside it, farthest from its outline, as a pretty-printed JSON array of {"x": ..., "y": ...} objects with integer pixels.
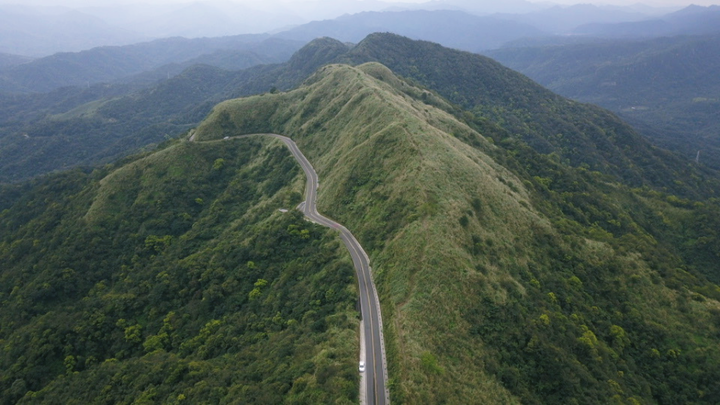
[
  {"x": 107, "y": 64},
  {"x": 456, "y": 240},
  {"x": 506, "y": 275},
  {"x": 666, "y": 87},
  {"x": 692, "y": 20},
  {"x": 491, "y": 92},
  {"x": 527, "y": 110},
  {"x": 453, "y": 29}
]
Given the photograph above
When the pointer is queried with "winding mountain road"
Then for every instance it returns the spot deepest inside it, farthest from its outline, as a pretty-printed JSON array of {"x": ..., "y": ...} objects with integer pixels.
[{"x": 374, "y": 390}]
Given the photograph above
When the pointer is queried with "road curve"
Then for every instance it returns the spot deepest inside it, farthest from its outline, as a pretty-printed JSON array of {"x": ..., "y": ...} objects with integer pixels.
[{"x": 375, "y": 361}]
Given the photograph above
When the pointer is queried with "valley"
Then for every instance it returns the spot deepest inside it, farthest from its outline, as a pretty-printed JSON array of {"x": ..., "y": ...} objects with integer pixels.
[{"x": 483, "y": 239}]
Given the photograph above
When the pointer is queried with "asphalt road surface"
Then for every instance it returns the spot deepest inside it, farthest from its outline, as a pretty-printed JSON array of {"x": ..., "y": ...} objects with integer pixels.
[{"x": 375, "y": 391}]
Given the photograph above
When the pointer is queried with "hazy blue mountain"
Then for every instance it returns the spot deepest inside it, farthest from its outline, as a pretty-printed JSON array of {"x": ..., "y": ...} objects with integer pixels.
[
  {"x": 550, "y": 40},
  {"x": 271, "y": 50},
  {"x": 453, "y": 29},
  {"x": 111, "y": 126},
  {"x": 73, "y": 126},
  {"x": 229, "y": 17},
  {"x": 693, "y": 20},
  {"x": 668, "y": 87},
  {"x": 40, "y": 32},
  {"x": 561, "y": 19},
  {"x": 203, "y": 19},
  {"x": 7, "y": 60},
  {"x": 107, "y": 64},
  {"x": 481, "y": 7}
]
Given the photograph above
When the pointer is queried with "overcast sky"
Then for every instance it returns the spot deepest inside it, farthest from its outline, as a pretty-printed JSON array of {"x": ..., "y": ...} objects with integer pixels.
[{"x": 80, "y": 3}]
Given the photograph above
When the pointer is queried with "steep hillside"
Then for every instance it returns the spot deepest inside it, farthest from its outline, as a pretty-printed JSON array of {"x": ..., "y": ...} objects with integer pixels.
[
  {"x": 668, "y": 88},
  {"x": 93, "y": 126},
  {"x": 505, "y": 276},
  {"x": 174, "y": 277},
  {"x": 76, "y": 126},
  {"x": 577, "y": 134}
]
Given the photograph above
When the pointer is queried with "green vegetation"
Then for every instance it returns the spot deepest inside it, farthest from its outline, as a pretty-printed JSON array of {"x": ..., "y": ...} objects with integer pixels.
[
  {"x": 577, "y": 134},
  {"x": 70, "y": 128},
  {"x": 154, "y": 58},
  {"x": 527, "y": 249},
  {"x": 667, "y": 87},
  {"x": 73, "y": 127},
  {"x": 506, "y": 275},
  {"x": 172, "y": 277}
]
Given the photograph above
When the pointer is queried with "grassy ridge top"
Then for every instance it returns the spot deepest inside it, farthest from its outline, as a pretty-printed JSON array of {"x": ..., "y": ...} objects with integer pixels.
[
  {"x": 577, "y": 134},
  {"x": 392, "y": 171},
  {"x": 504, "y": 275}
]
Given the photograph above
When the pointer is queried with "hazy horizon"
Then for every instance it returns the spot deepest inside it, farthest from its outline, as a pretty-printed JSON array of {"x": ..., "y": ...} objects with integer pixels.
[
  {"x": 263, "y": 4},
  {"x": 43, "y": 27}
]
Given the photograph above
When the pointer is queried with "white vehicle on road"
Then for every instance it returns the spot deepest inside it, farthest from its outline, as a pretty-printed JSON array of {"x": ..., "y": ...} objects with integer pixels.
[{"x": 362, "y": 367}]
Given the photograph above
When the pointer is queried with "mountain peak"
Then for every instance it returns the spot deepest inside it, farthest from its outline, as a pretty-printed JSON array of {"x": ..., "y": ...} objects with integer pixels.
[
  {"x": 316, "y": 53},
  {"x": 694, "y": 9}
]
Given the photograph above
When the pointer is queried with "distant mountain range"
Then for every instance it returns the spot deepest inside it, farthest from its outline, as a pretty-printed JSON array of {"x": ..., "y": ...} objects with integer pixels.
[
  {"x": 8, "y": 60},
  {"x": 41, "y": 31},
  {"x": 563, "y": 19},
  {"x": 110, "y": 125},
  {"x": 693, "y": 20},
  {"x": 454, "y": 29},
  {"x": 526, "y": 248},
  {"x": 668, "y": 87},
  {"x": 108, "y": 64},
  {"x": 480, "y": 7}
]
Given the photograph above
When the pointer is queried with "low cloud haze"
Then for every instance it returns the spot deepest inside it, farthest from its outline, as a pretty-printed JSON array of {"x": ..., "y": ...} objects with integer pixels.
[
  {"x": 367, "y": 3},
  {"x": 43, "y": 27}
]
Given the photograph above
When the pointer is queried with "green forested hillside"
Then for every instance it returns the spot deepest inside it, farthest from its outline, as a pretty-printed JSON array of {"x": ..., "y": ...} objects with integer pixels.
[
  {"x": 71, "y": 127},
  {"x": 577, "y": 134},
  {"x": 668, "y": 87},
  {"x": 101, "y": 124},
  {"x": 505, "y": 276},
  {"x": 110, "y": 63},
  {"x": 534, "y": 250},
  {"x": 172, "y": 277}
]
